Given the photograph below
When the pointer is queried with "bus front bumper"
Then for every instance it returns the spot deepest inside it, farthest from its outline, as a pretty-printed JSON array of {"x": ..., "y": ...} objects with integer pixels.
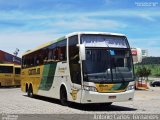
[{"x": 95, "y": 97}]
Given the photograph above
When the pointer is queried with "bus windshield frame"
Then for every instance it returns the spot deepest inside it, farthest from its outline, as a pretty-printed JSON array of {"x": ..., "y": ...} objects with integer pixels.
[{"x": 102, "y": 68}]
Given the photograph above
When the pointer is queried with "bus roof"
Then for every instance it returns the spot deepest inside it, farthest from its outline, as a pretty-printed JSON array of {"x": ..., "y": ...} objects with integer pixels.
[
  {"x": 68, "y": 35},
  {"x": 6, "y": 64},
  {"x": 97, "y": 33},
  {"x": 19, "y": 66}
]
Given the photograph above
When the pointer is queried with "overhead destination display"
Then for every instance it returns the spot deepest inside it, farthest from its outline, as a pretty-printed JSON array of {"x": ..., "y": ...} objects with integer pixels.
[{"x": 103, "y": 41}]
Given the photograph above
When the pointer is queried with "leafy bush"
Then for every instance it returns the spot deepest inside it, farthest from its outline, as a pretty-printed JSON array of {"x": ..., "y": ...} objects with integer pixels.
[{"x": 143, "y": 72}]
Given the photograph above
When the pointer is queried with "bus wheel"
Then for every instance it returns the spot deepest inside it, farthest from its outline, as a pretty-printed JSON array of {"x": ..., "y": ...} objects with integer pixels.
[
  {"x": 63, "y": 96},
  {"x": 30, "y": 91}
]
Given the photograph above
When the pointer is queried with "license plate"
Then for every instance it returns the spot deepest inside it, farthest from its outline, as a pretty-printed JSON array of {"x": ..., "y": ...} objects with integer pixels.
[{"x": 112, "y": 97}]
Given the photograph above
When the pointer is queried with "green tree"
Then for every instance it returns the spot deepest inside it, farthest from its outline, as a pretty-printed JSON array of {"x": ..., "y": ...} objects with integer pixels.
[
  {"x": 146, "y": 72},
  {"x": 143, "y": 72},
  {"x": 139, "y": 72}
]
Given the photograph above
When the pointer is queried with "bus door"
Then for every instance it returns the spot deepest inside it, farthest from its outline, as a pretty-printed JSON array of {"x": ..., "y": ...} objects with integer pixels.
[{"x": 75, "y": 69}]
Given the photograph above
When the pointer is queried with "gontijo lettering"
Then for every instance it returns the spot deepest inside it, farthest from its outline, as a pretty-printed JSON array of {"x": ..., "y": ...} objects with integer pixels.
[{"x": 34, "y": 71}]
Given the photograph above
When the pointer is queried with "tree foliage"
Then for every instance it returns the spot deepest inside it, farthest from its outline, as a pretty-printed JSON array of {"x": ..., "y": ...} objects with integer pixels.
[{"x": 143, "y": 72}]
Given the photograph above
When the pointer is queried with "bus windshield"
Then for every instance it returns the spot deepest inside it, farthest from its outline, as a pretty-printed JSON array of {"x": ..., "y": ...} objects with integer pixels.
[
  {"x": 107, "y": 65},
  {"x": 108, "y": 58}
]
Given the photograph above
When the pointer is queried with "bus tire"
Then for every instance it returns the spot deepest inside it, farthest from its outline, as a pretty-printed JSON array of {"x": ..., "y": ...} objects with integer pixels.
[
  {"x": 26, "y": 90},
  {"x": 63, "y": 96},
  {"x": 30, "y": 91}
]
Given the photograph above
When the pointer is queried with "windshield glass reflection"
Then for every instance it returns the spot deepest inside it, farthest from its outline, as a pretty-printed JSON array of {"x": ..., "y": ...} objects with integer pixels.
[{"x": 107, "y": 65}]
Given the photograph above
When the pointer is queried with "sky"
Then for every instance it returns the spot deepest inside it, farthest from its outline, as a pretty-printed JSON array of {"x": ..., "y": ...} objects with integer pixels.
[{"x": 26, "y": 24}]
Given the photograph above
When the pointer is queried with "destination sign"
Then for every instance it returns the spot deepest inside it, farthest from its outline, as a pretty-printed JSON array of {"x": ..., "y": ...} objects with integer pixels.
[{"x": 104, "y": 41}]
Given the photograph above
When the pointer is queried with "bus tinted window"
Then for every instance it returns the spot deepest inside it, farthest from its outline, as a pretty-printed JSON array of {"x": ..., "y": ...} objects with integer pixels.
[
  {"x": 73, "y": 49},
  {"x": 17, "y": 70},
  {"x": 6, "y": 69},
  {"x": 53, "y": 53},
  {"x": 61, "y": 50},
  {"x": 74, "y": 65}
]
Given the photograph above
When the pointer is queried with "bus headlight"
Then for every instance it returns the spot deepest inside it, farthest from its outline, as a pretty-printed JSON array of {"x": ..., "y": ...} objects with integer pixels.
[
  {"x": 130, "y": 87},
  {"x": 90, "y": 88}
]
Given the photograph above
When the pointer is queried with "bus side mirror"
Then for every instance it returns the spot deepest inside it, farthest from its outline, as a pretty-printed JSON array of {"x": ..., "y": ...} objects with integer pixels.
[{"x": 82, "y": 51}]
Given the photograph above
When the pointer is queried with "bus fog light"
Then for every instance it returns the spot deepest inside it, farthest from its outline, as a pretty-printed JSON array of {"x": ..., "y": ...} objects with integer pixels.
[
  {"x": 130, "y": 87},
  {"x": 90, "y": 88}
]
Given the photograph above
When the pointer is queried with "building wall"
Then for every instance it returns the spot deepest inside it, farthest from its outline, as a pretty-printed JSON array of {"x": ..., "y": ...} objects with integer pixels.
[{"x": 137, "y": 55}]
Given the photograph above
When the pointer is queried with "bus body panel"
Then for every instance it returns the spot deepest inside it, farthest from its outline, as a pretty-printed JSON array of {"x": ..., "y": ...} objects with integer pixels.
[
  {"x": 32, "y": 76},
  {"x": 6, "y": 79},
  {"x": 97, "y": 97},
  {"x": 61, "y": 77},
  {"x": 94, "y": 97}
]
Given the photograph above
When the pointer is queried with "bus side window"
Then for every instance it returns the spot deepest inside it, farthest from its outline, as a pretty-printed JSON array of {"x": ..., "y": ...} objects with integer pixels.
[
  {"x": 54, "y": 55},
  {"x": 37, "y": 60},
  {"x": 75, "y": 71},
  {"x": 61, "y": 50},
  {"x": 50, "y": 54},
  {"x": 23, "y": 62},
  {"x": 41, "y": 60},
  {"x": 45, "y": 55}
]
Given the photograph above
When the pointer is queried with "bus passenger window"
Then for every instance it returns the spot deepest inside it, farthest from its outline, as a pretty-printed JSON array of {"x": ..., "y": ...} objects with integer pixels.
[
  {"x": 40, "y": 59},
  {"x": 45, "y": 55},
  {"x": 61, "y": 50},
  {"x": 54, "y": 56},
  {"x": 61, "y": 56},
  {"x": 50, "y": 55},
  {"x": 37, "y": 61}
]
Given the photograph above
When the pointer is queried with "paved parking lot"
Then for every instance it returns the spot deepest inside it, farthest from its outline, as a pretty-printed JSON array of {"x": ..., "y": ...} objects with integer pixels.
[{"x": 13, "y": 101}]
